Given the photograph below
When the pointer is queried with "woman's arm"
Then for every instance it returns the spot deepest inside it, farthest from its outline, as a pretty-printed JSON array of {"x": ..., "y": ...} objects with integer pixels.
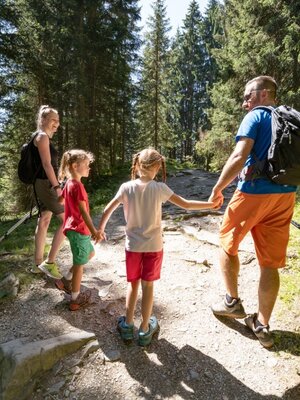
[{"x": 190, "y": 204}]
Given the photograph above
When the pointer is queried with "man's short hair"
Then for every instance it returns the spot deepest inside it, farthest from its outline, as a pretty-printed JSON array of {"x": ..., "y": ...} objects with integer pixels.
[{"x": 264, "y": 82}]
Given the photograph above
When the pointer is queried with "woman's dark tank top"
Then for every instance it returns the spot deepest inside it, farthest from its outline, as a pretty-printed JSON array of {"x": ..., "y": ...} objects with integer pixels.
[{"x": 54, "y": 161}]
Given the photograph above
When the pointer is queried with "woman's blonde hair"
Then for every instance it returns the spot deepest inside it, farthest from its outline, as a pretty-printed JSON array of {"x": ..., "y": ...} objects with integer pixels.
[
  {"x": 70, "y": 157},
  {"x": 145, "y": 160},
  {"x": 42, "y": 114}
]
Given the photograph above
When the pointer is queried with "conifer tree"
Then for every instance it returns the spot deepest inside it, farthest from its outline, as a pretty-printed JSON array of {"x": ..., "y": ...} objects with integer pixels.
[
  {"x": 153, "y": 125},
  {"x": 194, "y": 77},
  {"x": 189, "y": 75}
]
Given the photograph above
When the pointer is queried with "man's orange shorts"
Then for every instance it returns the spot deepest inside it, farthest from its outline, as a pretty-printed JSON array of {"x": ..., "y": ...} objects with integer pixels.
[{"x": 267, "y": 216}]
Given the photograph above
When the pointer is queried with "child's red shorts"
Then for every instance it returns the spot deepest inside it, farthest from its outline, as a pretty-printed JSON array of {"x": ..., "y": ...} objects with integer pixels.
[{"x": 145, "y": 266}]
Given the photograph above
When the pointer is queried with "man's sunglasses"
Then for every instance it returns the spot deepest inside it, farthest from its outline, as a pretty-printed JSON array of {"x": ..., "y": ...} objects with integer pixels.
[{"x": 247, "y": 97}]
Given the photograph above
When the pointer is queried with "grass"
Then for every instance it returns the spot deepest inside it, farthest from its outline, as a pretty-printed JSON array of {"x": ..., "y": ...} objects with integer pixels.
[{"x": 290, "y": 276}]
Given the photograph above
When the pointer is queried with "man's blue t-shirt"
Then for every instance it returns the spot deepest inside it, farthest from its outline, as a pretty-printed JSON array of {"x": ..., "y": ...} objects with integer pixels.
[{"x": 257, "y": 126}]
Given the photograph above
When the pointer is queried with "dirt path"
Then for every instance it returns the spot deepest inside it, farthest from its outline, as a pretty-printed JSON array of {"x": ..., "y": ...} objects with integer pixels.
[{"x": 196, "y": 356}]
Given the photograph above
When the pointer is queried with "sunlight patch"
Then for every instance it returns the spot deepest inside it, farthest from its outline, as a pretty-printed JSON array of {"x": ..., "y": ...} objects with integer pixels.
[
  {"x": 153, "y": 357},
  {"x": 186, "y": 387}
]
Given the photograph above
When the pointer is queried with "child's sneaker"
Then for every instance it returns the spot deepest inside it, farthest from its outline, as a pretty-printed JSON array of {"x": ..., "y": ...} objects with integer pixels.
[
  {"x": 82, "y": 299},
  {"x": 126, "y": 330},
  {"x": 64, "y": 284},
  {"x": 145, "y": 338},
  {"x": 50, "y": 269},
  {"x": 261, "y": 332}
]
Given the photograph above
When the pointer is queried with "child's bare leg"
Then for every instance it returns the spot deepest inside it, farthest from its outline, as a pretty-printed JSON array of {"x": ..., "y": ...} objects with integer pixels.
[
  {"x": 147, "y": 304},
  {"x": 131, "y": 299},
  {"x": 70, "y": 273},
  {"x": 76, "y": 278}
]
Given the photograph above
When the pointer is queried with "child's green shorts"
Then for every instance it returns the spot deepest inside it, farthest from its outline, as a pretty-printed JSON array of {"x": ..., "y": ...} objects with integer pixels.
[{"x": 81, "y": 247}]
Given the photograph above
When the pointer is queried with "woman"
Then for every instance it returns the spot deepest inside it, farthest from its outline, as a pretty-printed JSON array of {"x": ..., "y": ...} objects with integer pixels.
[{"x": 47, "y": 189}]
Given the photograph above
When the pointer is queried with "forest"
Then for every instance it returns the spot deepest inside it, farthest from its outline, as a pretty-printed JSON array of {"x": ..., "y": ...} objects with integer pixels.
[{"x": 118, "y": 90}]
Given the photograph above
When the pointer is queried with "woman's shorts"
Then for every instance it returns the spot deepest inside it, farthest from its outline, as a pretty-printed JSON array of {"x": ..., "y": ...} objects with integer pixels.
[
  {"x": 267, "y": 217},
  {"x": 81, "y": 247},
  {"x": 47, "y": 197},
  {"x": 145, "y": 266}
]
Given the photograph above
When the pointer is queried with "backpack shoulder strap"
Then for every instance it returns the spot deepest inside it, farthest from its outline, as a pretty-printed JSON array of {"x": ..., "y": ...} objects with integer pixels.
[
  {"x": 266, "y": 108},
  {"x": 34, "y": 135},
  {"x": 256, "y": 170}
]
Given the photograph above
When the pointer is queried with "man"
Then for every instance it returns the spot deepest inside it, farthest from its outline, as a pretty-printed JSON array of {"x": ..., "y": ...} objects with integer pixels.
[{"x": 258, "y": 205}]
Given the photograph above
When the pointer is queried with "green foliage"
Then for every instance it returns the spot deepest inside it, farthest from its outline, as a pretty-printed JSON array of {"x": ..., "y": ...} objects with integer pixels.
[
  {"x": 173, "y": 165},
  {"x": 216, "y": 145},
  {"x": 78, "y": 58},
  {"x": 16, "y": 249},
  {"x": 105, "y": 187},
  {"x": 184, "y": 99},
  {"x": 260, "y": 38}
]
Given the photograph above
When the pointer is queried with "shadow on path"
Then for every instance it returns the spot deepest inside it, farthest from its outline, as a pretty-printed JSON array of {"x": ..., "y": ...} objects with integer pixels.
[
  {"x": 286, "y": 341},
  {"x": 165, "y": 371}
]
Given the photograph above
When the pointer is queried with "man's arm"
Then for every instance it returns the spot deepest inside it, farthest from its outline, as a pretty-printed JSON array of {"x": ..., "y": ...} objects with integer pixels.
[{"x": 233, "y": 166}]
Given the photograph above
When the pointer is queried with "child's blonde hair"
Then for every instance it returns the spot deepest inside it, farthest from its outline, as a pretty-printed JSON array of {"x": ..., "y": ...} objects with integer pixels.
[
  {"x": 42, "y": 114},
  {"x": 146, "y": 160},
  {"x": 70, "y": 157}
]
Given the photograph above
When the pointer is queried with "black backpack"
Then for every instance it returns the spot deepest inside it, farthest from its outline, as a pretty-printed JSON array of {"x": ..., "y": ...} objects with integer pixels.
[
  {"x": 282, "y": 165},
  {"x": 27, "y": 166}
]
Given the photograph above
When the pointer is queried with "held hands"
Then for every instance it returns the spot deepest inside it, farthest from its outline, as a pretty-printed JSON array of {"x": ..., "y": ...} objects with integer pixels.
[
  {"x": 98, "y": 236},
  {"x": 216, "y": 198},
  {"x": 215, "y": 205}
]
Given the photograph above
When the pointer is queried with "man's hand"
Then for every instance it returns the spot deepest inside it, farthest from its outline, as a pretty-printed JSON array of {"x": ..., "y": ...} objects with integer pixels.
[{"x": 217, "y": 198}]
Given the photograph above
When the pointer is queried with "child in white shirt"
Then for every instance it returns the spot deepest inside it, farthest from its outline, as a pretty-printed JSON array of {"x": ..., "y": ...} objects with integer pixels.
[{"x": 142, "y": 200}]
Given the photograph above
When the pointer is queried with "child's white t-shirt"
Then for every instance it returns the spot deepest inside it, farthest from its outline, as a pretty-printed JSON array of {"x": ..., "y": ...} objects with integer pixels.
[{"x": 142, "y": 204}]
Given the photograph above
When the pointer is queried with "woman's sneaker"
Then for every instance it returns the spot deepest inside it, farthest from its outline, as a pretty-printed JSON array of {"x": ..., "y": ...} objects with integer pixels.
[
  {"x": 261, "y": 331},
  {"x": 82, "y": 300},
  {"x": 126, "y": 330},
  {"x": 50, "y": 269},
  {"x": 145, "y": 338},
  {"x": 234, "y": 309},
  {"x": 64, "y": 284}
]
